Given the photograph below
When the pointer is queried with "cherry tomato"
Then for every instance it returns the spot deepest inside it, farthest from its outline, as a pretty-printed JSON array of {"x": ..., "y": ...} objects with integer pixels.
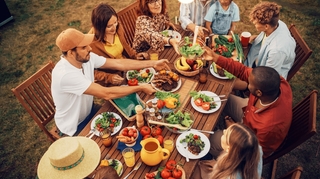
[
  {"x": 113, "y": 120},
  {"x": 171, "y": 164},
  {"x": 198, "y": 102},
  {"x": 145, "y": 130},
  {"x": 205, "y": 106},
  {"x": 130, "y": 133},
  {"x": 133, "y": 82},
  {"x": 176, "y": 173},
  {"x": 160, "y": 104},
  {"x": 195, "y": 137},
  {"x": 125, "y": 133},
  {"x": 125, "y": 130},
  {"x": 147, "y": 71},
  {"x": 111, "y": 125},
  {"x": 156, "y": 131},
  {"x": 165, "y": 173},
  {"x": 230, "y": 39}
]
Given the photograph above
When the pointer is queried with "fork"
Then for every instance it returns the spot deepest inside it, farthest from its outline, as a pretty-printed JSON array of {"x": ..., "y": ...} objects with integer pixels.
[
  {"x": 90, "y": 132},
  {"x": 134, "y": 169}
]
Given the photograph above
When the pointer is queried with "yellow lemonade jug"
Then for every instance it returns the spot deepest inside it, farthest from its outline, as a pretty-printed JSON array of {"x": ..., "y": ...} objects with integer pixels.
[{"x": 152, "y": 153}]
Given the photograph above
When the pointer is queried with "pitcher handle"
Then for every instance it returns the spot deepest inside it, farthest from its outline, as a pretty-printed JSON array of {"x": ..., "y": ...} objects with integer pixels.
[{"x": 167, "y": 152}]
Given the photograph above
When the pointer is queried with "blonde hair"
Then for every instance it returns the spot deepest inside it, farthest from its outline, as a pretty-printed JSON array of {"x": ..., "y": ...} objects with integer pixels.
[
  {"x": 266, "y": 13},
  {"x": 243, "y": 155}
]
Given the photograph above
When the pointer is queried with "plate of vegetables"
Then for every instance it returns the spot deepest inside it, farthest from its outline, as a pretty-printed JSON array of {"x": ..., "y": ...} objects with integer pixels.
[
  {"x": 198, "y": 145},
  {"x": 105, "y": 120},
  {"x": 171, "y": 34},
  {"x": 204, "y": 101},
  {"x": 183, "y": 117},
  {"x": 219, "y": 72},
  {"x": 137, "y": 77}
]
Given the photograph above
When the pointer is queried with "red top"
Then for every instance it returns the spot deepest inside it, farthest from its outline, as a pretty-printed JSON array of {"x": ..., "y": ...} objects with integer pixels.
[{"x": 271, "y": 124}]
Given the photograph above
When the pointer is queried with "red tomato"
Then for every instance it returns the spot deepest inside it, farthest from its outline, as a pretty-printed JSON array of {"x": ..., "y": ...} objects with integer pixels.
[
  {"x": 147, "y": 70},
  {"x": 150, "y": 175},
  {"x": 147, "y": 136},
  {"x": 171, "y": 164},
  {"x": 111, "y": 125},
  {"x": 125, "y": 133},
  {"x": 145, "y": 130},
  {"x": 160, "y": 139},
  {"x": 195, "y": 137},
  {"x": 156, "y": 131},
  {"x": 113, "y": 120},
  {"x": 130, "y": 133},
  {"x": 198, "y": 101},
  {"x": 125, "y": 130},
  {"x": 176, "y": 173},
  {"x": 133, "y": 82},
  {"x": 171, "y": 178},
  {"x": 205, "y": 106},
  {"x": 230, "y": 39},
  {"x": 160, "y": 104},
  {"x": 165, "y": 173}
]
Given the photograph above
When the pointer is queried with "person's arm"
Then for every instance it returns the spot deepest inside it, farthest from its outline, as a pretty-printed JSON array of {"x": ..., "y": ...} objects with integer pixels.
[
  {"x": 232, "y": 27},
  {"x": 185, "y": 17},
  {"x": 208, "y": 26}
]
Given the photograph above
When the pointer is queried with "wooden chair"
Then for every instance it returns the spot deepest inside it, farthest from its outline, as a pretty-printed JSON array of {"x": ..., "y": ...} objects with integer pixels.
[
  {"x": 127, "y": 17},
  {"x": 293, "y": 174},
  {"x": 35, "y": 96},
  {"x": 302, "y": 50},
  {"x": 303, "y": 127}
]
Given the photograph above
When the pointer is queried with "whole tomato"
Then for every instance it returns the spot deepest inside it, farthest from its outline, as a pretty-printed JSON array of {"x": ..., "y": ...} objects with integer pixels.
[
  {"x": 145, "y": 130},
  {"x": 156, "y": 131},
  {"x": 176, "y": 173},
  {"x": 165, "y": 173},
  {"x": 133, "y": 82},
  {"x": 160, "y": 139},
  {"x": 147, "y": 136},
  {"x": 160, "y": 104},
  {"x": 171, "y": 164}
]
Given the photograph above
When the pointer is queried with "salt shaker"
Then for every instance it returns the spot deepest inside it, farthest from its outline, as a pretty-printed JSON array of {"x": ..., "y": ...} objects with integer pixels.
[{"x": 139, "y": 116}]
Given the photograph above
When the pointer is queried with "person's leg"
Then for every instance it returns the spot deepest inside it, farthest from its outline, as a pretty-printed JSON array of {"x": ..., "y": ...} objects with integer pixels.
[
  {"x": 234, "y": 107},
  {"x": 95, "y": 108},
  {"x": 215, "y": 144}
]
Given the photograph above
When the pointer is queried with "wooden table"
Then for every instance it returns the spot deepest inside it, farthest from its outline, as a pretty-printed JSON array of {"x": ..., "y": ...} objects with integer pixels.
[{"x": 202, "y": 121}]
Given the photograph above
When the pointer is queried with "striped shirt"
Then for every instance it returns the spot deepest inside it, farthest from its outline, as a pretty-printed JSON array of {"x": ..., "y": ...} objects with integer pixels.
[{"x": 194, "y": 13}]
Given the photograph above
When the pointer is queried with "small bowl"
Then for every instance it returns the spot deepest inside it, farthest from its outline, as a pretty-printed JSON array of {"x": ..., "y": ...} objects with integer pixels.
[
  {"x": 178, "y": 130},
  {"x": 133, "y": 142}
]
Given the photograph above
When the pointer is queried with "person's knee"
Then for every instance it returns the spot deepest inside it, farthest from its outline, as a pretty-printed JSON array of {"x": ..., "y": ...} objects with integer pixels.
[{"x": 215, "y": 144}]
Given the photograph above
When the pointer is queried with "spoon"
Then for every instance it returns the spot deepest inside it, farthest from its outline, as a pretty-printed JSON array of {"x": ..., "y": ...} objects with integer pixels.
[
  {"x": 134, "y": 169},
  {"x": 178, "y": 126}
]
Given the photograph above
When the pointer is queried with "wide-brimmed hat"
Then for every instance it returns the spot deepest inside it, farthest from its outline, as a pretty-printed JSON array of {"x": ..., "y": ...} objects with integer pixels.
[
  {"x": 71, "y": 38},
  {"x": 69, "y": 157}
]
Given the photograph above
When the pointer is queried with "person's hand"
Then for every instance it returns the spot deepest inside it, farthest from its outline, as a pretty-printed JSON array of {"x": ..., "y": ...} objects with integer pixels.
[
  {"x": 170, "y": 24},
  {"x": 161, "y": 64},
  {"x": 175, "y": 44},
  {"x": 209, "y": 54},
  {"x": 116, "y": 79},
  {"x": 148, "y": 89},
  {"x": 142, "y": 56},
  {"x": 202, "y": 31}
]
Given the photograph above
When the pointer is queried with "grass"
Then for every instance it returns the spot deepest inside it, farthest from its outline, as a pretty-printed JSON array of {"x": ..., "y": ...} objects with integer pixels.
[{"x": 28, "y": 42}]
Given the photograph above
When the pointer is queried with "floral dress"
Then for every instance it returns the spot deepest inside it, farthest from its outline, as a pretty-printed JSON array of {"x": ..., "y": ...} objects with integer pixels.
[{"x": 148, "y": 33}]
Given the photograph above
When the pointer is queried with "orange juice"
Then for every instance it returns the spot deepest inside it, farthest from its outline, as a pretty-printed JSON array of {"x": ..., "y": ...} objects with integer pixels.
[
  {"x": 154, "y": 56},
  {"x": 168, "y": 144},
  {"x": 128, "y": 157}
]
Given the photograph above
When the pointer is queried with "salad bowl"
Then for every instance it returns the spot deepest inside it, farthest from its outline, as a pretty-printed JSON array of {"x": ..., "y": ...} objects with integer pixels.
[{"x": 190, "y": 51}]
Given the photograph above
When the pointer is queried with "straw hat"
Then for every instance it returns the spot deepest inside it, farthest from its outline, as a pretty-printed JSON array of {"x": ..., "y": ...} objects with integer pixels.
[{"x": 69, "y": 157}]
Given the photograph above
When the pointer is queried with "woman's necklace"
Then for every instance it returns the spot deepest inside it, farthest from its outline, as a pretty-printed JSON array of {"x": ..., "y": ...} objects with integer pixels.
[{"x": 268, "y": 103}]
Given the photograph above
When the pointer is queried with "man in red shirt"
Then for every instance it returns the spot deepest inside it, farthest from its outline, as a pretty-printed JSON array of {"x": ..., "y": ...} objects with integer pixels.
[{"x": 267, "y": 111}]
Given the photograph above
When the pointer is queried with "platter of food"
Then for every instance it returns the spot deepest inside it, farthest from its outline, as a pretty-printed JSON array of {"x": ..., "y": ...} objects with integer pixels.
[
  {"x": 166, "y": 81},
  {"x": 105, "y": 120},
  {"x": 137, "y": 77},
  {"x": 198, "y": 145},
  {"x": 171, "y": 34},
  {"x": 205, "y": 101},
  {"x": 219, "y": 72},
  {"x": 114, "y": 163}
]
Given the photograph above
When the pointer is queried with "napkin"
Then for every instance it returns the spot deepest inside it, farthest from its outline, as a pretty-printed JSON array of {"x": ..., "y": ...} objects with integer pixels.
[
  {"x": 137, "y": 147},
  {"x": 128, "y": 103}
]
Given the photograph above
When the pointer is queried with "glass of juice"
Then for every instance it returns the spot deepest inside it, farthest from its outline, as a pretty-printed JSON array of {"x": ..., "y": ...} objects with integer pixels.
[
  {"x": 168, "y": 143},
  {"x": 154, "y": 55},
  {"x": 128, "y": 156},
  {"x": 106, "y": 137}
]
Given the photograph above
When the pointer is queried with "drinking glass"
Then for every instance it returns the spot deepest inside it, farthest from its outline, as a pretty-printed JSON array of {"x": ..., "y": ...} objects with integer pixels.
[
  {"x": 106, "y": 137},
  {"x": 154, "y": 55},
  {"x": 128, "y": 156},
  {"x": 168, "y": 143}
]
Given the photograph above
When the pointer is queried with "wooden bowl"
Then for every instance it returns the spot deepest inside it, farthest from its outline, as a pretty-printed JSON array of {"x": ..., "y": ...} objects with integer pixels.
[{"x": 185, "y": 73}]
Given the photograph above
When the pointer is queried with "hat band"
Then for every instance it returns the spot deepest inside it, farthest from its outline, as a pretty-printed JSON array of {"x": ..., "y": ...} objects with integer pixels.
[{"x": 72, "y": 165}]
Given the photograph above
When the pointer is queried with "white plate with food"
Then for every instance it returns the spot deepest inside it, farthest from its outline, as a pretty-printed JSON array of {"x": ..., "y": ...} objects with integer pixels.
[
  {"x": 106, "y": 119},
  {"x": 226, "y": 74},
  {"x": 202, "y": 108},
  {"x": 167, "y": 81},
  {"x": 172, "y": 34},
  {"x": 143, "y": 76},
  {"x": 117, "y": 165},
  {"x": 183, "y": 139}
]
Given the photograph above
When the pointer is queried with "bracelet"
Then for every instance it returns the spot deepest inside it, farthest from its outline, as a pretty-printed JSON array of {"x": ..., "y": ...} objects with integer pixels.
[{"x": 169, "y": 40}]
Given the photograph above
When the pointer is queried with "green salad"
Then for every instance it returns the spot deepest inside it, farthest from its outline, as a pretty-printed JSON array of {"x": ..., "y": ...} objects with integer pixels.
[
  {"x": 143, "y": 76},
  {"x": 180, "y": 118},
  {"x": 189, "y": 50},
  {"x": 193, "y": 140}
]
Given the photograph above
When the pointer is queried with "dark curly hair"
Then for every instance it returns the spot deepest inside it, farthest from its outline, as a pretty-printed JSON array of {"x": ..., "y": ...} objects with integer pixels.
[{"x": 266, "y": 13}]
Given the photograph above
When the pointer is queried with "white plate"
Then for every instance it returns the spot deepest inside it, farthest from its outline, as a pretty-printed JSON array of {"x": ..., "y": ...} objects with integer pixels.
[
  {"x": 215, "y": 74},
  {"x": 115, "y": 129},
  {"x": 183, "y": 151},
  {"x": 120, "y": 164},
  {"x": 173, "y": 90},
  {"x": 215, "y": 98},
  {"x": 142, "y": 71},
  {"x": 173, "y": 34}
]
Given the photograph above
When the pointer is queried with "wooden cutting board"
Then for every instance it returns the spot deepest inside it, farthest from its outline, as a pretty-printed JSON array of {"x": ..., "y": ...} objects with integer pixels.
[{"x": 187, "y": 86}]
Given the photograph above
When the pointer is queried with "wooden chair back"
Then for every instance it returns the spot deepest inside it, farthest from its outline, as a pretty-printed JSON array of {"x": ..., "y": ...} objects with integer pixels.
[
  {"x": 303, "y": 126},
  {"x": 293, "y": 174},
  {"x": 302, "y": 50},
  {"x": 127, "y": 17},
  {"x": 35, "y": 96}
]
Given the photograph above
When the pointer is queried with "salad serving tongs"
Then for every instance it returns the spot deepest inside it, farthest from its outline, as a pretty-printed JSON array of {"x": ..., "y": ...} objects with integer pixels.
[{"x": 178, "y": 126}]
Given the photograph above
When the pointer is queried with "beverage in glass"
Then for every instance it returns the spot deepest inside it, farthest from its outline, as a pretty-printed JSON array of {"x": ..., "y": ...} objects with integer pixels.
[
  {"x": 128, "y": 156},
  {"x": 154, "y": 55},
  {"x": 106, "y": 137},
  {"x": 168, "y": 143}
]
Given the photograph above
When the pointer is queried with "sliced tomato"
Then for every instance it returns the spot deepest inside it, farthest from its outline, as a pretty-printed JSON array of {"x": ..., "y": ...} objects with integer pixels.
[
  {"x": 198, "y": 102},
  {"x": 205, "y": 106}
]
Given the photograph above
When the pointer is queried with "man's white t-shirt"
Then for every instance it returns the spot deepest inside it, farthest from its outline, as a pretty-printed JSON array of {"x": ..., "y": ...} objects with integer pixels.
[{"x": 67, "y": 86}]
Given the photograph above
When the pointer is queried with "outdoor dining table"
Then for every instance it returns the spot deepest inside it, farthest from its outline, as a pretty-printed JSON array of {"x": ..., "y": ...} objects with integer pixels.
[{"x": 202, "y": 121}]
